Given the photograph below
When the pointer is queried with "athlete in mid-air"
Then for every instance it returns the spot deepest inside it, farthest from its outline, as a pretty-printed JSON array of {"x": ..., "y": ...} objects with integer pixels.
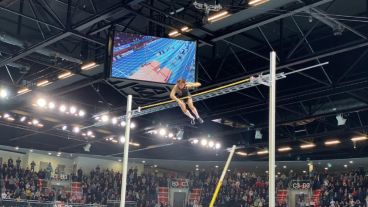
[{"x": 180, "y": 93}]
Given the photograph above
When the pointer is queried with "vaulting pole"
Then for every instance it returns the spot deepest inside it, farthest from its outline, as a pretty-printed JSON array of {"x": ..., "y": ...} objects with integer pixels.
[
  {"x": 271, "y": 131},
  {"x": 126, "y": 151},
  {"x": 219, "y": 184}
]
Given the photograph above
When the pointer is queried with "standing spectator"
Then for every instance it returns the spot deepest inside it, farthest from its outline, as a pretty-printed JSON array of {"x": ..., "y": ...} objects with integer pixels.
[
  {"x": 33, "y": 164},
  {"x": 18, "y": 161}
]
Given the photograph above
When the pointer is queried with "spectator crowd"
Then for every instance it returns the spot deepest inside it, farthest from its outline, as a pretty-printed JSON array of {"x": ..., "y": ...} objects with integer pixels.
[{"x": 239, "y": 188}]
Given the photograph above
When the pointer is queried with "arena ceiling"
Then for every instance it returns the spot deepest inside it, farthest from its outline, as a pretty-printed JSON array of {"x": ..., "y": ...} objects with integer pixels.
[{"x": 42, "y": 39}]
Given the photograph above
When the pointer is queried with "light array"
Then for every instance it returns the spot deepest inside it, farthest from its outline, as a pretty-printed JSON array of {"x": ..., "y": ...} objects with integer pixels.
[
  {"x": 166, "y": 133},
  {"x": 121, "y": 140},
  {"x": 206, "y": 143},
  {"x": 307, "y": 146},
  {"x": 42, "y": 103},
  {"x": 22, "y": 119},
  {"x": 284, "y": 149},
  {"x": 262, "y": 152},
  {"x": 358, "y": 139},
  {"x": 105, "y": 118}
]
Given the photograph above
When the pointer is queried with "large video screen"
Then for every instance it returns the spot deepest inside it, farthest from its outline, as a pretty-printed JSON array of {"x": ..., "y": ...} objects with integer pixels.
[{"x": 153, "y": 59}]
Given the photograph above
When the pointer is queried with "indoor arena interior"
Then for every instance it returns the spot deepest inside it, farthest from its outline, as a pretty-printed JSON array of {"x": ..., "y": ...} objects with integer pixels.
[{"x": 184, "y": 103}]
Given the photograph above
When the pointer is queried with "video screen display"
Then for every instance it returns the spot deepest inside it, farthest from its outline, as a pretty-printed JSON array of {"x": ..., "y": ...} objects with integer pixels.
[{"x": 153, "y": 59}]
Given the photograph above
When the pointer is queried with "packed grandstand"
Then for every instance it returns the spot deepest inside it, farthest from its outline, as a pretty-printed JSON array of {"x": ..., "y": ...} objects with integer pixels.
[{"x": 240, "y": 188}]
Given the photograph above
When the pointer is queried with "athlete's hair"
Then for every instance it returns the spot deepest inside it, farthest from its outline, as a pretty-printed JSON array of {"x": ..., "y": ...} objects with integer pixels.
[{"x": 181, "y": 81}]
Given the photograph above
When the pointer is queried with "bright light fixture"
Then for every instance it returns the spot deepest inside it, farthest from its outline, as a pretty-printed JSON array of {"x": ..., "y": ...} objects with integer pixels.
[
  {"x": 357, "y": 139},
  {"x": 171, "y": 135},
  {"x": 41, "y": 102},
  {"x": 122, "y": 139},
  {"x": 23, "y": 91},
  {"x": 284, "y": 149},
  {"x": 262, "y": 152},
  {"x": 185, "y": 29},
  {"x": 114, "y": 120},
  {"x": 218, "y": 16},
  {"x": 88, "y": 66},
  {"x": 242, "y": 153},
  {"x": 35, "y": 122},
  {"x": 65, "y": 127},
  {"x": 81, "y": 113},
  {"x": 174, "y": 33},
  {"x": 62, "y": 108},
  {"x": 123, "y": 123},
  {"x": 345, "y": 166},
  {"x": 65, "y": 75},
  {"x": 43, "y": 83},
  {"x": 105, "y": 118},
  {"x": 211, "y": 144},
  {"x": 73, "y": 109},
  {"x": 3, "y": 93},
  {"x": 17, "y": 148},
  {"x": 49, "y": 153},
  {"x": 195, "y": 141},
  {"x": 332, "y": 142},
  {"x": 89, "y": 133},
  {"x": 162, "y": 132},
  {"x": 307, "y": 146},
  {"x": 51, "y": 105},
  {"x": 23, "y": 119},
  {"x": 217, "y": 145},
  {"x": 132, "y": 125},
  {"x": 256, "y": 2},
  {"x": 204, "y": 142},
  {"x": 76, "y": 130}
]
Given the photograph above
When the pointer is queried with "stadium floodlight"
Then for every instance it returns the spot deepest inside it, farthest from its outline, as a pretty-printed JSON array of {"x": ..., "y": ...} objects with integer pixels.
[
  {"x": 81, "y": 113},
  {"x": 73, "y": 109},
  {"x": 218, "y": 145},
  {"x": 65, "y": 75},
  {"x": 171, "y": 135},
  {"x": 162, "y": 132},
  {"x": 256, "y": 2},
  {"x": 262, "y": 152},
  {"x": 23, "y": 91},
  {"x": 284, "y": 149},
  {"x": 358, "y": 139},
  {"x": 211, "y": 144},
  {"x": 105, "y": 118},
  {"x": 43, "y": 83},
  {"x": 76, "y": 130},
  {"x": 332, "y": 142},
  {"x": 62, "y": 108},
  {"x": 23, "y": 119},
  {"x": 89, "y": 66},
  {"x": 218, "y": 16},
  {"x": 51, "y": 105},
  {"x": 132, "y": 125},
  {"x": 307, "y": 146},
  {"x": 174, "y": 33},
  {"x": 242, "y": 153},
  {"x": 204, "y": 142},
  {"x": 4, "y": 93},
  {"x": 41, "y": 102},
  {"x": 122, "y": 139}
]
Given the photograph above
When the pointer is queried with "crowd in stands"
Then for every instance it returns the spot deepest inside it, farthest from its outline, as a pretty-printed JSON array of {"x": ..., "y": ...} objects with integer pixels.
[{"x": 239, "y": 188}]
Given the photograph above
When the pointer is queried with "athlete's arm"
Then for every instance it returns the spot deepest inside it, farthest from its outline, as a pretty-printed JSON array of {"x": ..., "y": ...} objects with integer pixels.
[
  {"x": 193, "y": 85},
  {"x": 172, "y": 94}
]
